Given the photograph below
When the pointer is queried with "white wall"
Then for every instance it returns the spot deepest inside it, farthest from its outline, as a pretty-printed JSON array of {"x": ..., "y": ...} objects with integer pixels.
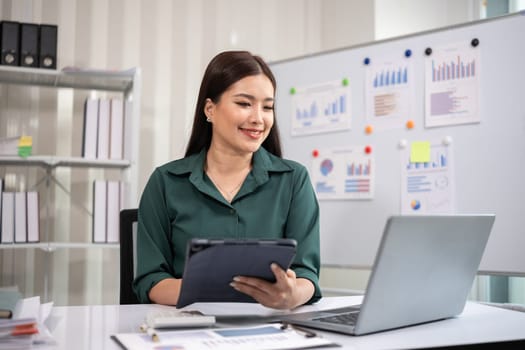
[{"x": 401, "y": 17}]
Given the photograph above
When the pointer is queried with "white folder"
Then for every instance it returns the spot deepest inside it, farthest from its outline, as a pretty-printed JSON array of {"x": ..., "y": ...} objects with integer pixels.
[
  {"x": 89, "y": 145},
  {"x": 113, "y": 209},
  {"x": 20, "y": 217},
  {"x": 128, "y": 130},
  {"x": 8, "y": 217},
  {"x": 117, "y": 129},
  {"x": 99, "y": 211},
  {"x": 33, "y": 217},
  {"x": 104, "y": 123}
]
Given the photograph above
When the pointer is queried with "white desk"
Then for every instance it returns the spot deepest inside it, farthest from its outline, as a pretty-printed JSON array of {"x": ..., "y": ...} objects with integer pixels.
[{"x": 90, "y": 327}]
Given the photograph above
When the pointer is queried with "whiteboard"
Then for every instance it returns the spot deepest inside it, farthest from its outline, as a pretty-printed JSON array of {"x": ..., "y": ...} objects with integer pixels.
[{"x": 489, "y": 157}]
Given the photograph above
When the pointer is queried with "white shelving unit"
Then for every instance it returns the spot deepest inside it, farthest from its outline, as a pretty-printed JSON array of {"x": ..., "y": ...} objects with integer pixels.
[
  {"x": 128, "y": 84},
  {"x": 52, "y": 246},
  {"x": 55, "y": 162}
]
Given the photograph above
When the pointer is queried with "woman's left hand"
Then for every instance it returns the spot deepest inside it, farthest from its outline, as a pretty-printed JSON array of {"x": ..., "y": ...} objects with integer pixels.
[{"x": 287, "y": 292}]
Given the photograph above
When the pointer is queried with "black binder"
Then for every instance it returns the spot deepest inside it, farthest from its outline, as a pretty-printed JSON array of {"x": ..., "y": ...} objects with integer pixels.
[
  {"x": 48, "y": 46},
  {"x": 29, "y": 44},
  {"x": 9, "y": 43}
]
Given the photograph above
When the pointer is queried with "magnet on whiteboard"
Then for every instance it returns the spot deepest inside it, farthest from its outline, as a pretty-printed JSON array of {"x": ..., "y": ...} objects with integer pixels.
[
  {"x": 447, "y": 140},
  {"x": 402, "y": 144},
  {"x": 315, "y": 153}
]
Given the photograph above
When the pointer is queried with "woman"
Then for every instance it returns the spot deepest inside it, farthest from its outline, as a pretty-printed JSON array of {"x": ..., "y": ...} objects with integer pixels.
[{"x": 232, "y": 183}]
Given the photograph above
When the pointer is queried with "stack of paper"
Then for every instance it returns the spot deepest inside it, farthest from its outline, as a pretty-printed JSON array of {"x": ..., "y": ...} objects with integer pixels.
[
  {"x": 26, "y": 327},
  {"x": 17, "y": 333},
  {"x": 31, "y": 308}
]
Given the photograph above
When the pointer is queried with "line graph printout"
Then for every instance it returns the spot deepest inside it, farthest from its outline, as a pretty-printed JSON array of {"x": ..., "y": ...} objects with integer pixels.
[
  {"x": 321, "y": 108},
  {"x": 452, "y": 78},
  {"x": 389, "y": 92},
  {"x": 428, "y": 187},
  {"x": 343, "y": 173}
]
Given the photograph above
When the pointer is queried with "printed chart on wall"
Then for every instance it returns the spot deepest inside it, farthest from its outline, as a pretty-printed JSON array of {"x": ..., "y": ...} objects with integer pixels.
[
  {"x": 427, "y": 178},
  {"x": 452, "y": 80},
  {"x": 390, "y": 92},
  {"x": 343, "y": 173},
  {"x": 321, "y": 108}
]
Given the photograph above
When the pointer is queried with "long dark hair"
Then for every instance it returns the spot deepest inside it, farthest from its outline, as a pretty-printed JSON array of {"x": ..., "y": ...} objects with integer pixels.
[{"x": 224, "y": 70}]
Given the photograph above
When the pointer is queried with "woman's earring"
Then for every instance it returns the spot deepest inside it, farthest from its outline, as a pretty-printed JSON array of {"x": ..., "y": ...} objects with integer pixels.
[{"x": 208, "y": 119}]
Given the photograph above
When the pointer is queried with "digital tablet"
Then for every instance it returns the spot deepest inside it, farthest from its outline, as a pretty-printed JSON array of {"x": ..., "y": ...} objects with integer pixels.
[{"x": 211, "y": 265}]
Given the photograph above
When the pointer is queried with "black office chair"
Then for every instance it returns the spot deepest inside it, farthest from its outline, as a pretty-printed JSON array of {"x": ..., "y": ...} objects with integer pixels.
[{"x": 128, "y": 238}]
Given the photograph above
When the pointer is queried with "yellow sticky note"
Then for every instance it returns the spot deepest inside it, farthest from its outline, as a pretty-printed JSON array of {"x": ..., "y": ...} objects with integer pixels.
[
  {"x": 420, "y": 152},
  {"x": 25, "y": 141}
]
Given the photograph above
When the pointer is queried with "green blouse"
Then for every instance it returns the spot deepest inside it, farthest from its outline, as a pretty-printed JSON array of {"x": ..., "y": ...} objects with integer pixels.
[{"x": 180, "y": 202}]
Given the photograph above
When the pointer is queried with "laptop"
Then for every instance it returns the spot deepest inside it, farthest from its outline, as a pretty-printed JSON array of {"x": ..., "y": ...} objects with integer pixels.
[{"x": 423, "y": 271}]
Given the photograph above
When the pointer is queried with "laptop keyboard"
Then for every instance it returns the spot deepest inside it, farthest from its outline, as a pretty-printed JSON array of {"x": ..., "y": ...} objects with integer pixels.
[{"x": 347, "y": 318}]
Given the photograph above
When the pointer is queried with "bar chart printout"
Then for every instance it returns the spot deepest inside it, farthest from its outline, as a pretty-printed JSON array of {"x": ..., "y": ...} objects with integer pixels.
[
  {"x": 345, "y": 173},
  {"x": 321, "y": 108},
  {"x": 428, "y": 187},
  {"x": 389, "y": 91},
  {"x": 452, "y": 86}
]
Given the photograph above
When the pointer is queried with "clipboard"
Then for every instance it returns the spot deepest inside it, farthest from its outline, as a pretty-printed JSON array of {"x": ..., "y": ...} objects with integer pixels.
[{"x": 211, "y": 265}]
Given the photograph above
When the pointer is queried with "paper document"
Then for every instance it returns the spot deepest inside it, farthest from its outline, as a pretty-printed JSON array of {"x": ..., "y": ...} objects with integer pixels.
[
  {"x": 268, "y": 336},
  {"x": 257, "y": 310}
]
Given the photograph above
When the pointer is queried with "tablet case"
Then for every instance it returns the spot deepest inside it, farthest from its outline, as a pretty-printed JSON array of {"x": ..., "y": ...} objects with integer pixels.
[{"x": 212, "y": 264}]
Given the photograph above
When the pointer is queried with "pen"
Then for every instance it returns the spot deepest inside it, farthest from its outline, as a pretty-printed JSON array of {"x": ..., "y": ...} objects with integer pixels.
[
  {"x": 307, "y": 333},
  {"x": 150, "y": 331}
]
